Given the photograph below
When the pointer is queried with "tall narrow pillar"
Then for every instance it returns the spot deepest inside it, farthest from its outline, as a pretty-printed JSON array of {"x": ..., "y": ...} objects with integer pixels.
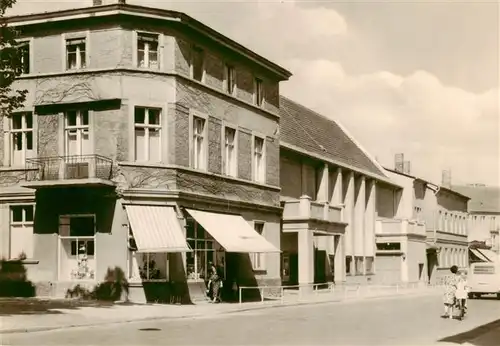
[
  {"x": 306, "y": 257},
  {"x": 349, "y": 218},
  {"x": 359, "y": 217},
  {"x": 323, "y": 188},
  {"x": 339, "y": 259},
  {"x": 370, "y": 219},
  {"x": 337, "y": 198}
]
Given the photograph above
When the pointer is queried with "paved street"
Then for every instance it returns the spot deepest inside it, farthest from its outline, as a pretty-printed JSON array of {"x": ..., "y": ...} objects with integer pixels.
[{"x": 388, "y": 321}]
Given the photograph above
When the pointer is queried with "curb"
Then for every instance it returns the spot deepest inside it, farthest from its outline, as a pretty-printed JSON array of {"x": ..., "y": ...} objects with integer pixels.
[{"x": 197, "y": 315}]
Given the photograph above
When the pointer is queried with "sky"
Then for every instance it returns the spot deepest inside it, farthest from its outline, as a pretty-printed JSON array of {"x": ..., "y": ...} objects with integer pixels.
[{"x": 413, "y": 77}]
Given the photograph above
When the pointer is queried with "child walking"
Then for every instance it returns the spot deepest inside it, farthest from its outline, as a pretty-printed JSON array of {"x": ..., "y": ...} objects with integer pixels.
[{"x": 461, "y": 295}]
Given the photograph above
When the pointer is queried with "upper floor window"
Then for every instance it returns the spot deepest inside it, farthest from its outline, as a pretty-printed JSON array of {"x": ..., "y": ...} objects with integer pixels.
[
  {"x": 75, "y": 54},
  {"x": 230, "y": 80},
  {"x": 21, "y": 231},
  {"x": 230, "y": 151},
  {"x": 147, "y": 51},
  {"x": 76, "y": 128},
  {"x": 198, "y": 144},
  {"x": 21, "y": 138},
  {"x": 24, "y": 53},
  {"x": 258, "y": 160},
  {"x": 147, "y": 134},
  {"x": 258, "y": 91},
  {"x": 197, "y": 64}
]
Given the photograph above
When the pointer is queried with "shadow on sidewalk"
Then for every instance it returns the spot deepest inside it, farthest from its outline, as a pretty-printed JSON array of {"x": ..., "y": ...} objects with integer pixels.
[
  {"x": 36, "y": 306},
  {"x": 475, "y": 336}
]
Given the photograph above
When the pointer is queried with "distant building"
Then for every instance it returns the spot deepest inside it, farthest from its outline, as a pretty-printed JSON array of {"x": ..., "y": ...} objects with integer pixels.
[
  {"x": 434, "y": 230},
  {"x": 484, "y": 210}
]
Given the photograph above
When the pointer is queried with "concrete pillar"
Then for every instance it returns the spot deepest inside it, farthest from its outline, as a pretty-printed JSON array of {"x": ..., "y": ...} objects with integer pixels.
[
  {"x": 303, "y": 177},
  {"x": 370, "y": 219},
  {"x": 305, "y": 206},
  {"x": 349, "y": 218},
  {"x": 359, "y": 217},
  {"x": 337, "y": 188},
  {"x": 339, "y": 259},
  {"x": 323, "y": 188},
  {"x": 404, "y": 258},
  {"x": 306, "y": 256}
]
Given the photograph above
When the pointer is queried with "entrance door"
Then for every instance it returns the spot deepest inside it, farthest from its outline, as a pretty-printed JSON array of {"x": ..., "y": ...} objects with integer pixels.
[
  {"x": 294, "y": 269},
  {"x": 319, "y": 266}
]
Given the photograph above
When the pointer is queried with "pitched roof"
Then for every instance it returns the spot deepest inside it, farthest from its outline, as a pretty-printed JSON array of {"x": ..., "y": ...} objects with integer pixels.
[
  {"x": 312, "y": 132},
  {"x": 483, "y": 198}
]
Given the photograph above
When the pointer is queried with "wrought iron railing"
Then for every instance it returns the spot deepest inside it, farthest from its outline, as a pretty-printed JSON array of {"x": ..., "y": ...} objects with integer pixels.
[{"x": 69, "y": 167}]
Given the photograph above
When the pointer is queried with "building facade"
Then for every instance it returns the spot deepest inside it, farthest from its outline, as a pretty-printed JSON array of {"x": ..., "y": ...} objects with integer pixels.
[
  {"x": 329, "y": 187},
  {"x": 434, "y": 226},
  {"x": 144, "y": 137},
  {"x": 484, "y": 219}
]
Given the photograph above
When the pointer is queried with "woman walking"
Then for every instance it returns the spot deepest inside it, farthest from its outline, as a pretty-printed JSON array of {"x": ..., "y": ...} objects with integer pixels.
[
  {"x": 214, "y": 285},
  {"x": 450, "y": 288}
]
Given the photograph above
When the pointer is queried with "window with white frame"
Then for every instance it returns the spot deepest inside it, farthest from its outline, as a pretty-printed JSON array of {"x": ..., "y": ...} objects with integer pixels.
[
  {"x": 258, "y": 259},
  {"x": 147, "y": 51},
  {"x": 230, "y": 80},
  {"x": 258, "y": 91},
  {"x": 77, "y": 256},
  {"x": 21, "y": 231},
  {"x": 197, "y": 64},
  {"x": 147, "y": 266},
  {"x": 259, "y": 164},
  {"x": 76, "y": 133},
  {"x": 75, "y": 54},
  {"x": 24, "y": 54},
  {"x": 198, "y": 153},
  {"x": 147, "y": 129},
  {"x": 21, "y": 138},
  {"x": 204, "y": 251},
  {"x": 230, "y": 151}
]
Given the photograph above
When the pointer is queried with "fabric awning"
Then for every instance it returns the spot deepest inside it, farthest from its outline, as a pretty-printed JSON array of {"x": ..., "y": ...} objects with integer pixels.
[
  {"x": 232, "y": 232},
  {"x": 156, "y": 229},
  {"x": 479, "y": 255},
  {"x": 490, "y": 255}
]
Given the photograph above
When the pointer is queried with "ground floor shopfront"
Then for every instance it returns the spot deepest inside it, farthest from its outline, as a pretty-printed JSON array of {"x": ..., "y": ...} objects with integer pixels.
[{"x": 162, "y": 245}]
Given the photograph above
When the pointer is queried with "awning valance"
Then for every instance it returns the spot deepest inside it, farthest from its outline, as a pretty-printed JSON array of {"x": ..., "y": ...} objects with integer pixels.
[
  {"x": 479, "y": 255},
  {"x": 156, "y": 229},
  {"x": 232, "y": 232}
]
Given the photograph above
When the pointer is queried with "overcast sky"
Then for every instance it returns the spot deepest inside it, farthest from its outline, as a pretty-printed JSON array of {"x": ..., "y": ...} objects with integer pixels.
[{"x": 418, "y": 77}]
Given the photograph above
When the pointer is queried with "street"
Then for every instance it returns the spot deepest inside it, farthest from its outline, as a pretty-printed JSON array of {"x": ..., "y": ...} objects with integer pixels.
[{"x": 388, "y": 321}]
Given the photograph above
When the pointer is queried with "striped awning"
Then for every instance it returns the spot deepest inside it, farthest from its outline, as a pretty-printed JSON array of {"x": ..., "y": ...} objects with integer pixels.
[
  {"x": 156, "y": 229},
  {"x": 232, "y": 232},
  {"x": 479, "y": 255},
  {"x": 491, "y": 256}
]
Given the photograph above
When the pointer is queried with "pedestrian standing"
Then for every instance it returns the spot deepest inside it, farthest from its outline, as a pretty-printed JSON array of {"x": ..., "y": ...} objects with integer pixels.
[
  {"x": 450, "y": 288},
  {"x": 461, "y": 294}
]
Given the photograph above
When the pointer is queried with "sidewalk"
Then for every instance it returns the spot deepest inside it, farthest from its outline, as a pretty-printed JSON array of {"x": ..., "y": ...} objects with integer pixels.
[{"x": 98, "y": 316}]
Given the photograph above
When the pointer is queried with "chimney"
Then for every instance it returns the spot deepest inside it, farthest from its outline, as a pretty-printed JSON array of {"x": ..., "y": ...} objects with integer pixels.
[
  {"x": 107, "y": 2},
  {"x": 406, "y": 167},
  {"x": 446, "y": 178},
  {"x": 399, "y": 162}
]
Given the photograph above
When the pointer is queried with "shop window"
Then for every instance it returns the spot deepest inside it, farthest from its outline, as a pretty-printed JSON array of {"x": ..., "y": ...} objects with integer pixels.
[
  {"x": 389, "y": 246},
  {"x": 358, "y": 265},
  {"x": 204, "y": 252},
  {"x": 348, "y": 263},
  {"x": 21, "y": 231},
  {"x": 258, "y": 259},
  {"x": 369, "y": 265},
  {"x": 77, "y": 257}
]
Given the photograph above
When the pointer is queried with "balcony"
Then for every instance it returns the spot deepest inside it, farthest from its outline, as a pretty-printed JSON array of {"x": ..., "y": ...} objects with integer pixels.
[
  {"x": 396, "y": 227},
  {"x": 317, "y": 215},
  {"x": 65, "y": 171}
]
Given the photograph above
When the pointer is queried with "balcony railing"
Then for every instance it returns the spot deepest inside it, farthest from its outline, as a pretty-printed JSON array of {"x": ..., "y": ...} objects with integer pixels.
[
  {"x": 399, "y": 226},
  {"x": 304, "y": 208},
  {"x": 69, "y": 168}
]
